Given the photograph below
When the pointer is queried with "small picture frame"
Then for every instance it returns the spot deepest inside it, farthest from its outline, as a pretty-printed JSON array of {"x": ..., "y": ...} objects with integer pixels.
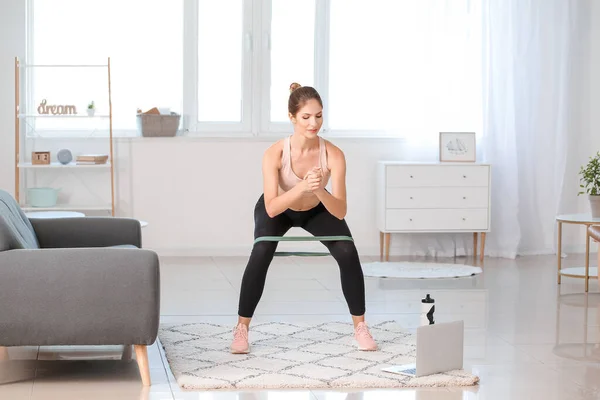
[{"x": 457, "y": 147}]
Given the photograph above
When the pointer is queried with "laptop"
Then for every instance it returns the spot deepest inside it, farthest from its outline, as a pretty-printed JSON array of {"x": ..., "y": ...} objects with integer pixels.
[{"x": 439, "y": 349}]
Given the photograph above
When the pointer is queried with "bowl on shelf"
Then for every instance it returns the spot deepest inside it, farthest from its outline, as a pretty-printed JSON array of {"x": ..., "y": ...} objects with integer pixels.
[{"x": 42, "y": 196}]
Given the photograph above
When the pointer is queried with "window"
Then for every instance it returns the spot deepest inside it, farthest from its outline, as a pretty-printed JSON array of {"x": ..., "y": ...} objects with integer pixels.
[
  {"x": 220, "y": 60},
  {"x": 292, "y": 52},
  {"x": 409, "y": 68},
  {"x": 401, "y": 68},
  {"x": 146, "y": 62}
]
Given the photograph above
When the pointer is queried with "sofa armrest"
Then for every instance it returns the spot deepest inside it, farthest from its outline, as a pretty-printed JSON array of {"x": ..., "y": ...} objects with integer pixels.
[
  {"x": 87, "y": 232},
  {"x": 87, "y": 296},
  {"x": 6, "y": 239}
]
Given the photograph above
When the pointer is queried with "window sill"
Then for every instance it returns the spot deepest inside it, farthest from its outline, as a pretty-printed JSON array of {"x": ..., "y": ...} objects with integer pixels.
[
  {"x": 262, "y": 137},
  {"x": 216, "y": 137}
]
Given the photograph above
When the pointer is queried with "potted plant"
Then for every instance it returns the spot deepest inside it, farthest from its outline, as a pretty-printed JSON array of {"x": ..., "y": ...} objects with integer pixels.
[
  {"x": 590, "y": 183},
  {"x": 91, "y": 109}
]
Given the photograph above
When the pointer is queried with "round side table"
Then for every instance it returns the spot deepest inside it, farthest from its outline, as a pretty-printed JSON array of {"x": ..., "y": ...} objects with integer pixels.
[
  {"x": 585, "y": 272},
  {"x": 54, "y": 214}
]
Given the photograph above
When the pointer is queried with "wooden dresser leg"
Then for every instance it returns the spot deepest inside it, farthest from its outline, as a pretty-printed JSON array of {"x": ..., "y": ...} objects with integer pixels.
[
  {"x": 381, "y": 246},
  {"x": 475, "y": 245},
  {"x": 387, "y": 247},
  {"x": 3, "y": 353},
  {"x": 481, "y": 252},
  {"x": 141, "y": 356}
]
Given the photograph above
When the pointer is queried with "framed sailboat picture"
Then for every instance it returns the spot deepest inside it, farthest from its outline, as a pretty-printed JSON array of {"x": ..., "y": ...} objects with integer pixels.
[{"x": 457, "y": 146}]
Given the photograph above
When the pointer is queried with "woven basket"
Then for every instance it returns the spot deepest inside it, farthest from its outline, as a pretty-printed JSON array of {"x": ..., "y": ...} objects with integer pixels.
[{"x": 154, "y": 125}]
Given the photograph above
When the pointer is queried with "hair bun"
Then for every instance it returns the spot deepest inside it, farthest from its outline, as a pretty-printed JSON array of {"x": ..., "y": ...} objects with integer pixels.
[{"x": 294, "y": 86}]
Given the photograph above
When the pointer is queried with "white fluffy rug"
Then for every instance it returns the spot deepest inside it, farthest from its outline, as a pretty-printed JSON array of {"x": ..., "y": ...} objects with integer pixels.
[
  {"x": 418, "y": 270},
  {"x": 294, "y": 356}
]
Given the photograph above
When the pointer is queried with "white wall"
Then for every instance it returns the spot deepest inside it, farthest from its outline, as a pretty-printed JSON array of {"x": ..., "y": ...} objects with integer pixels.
[
  {"x": 201, "y": 194},
  {"x": 12, "y": 43},
  {"x": 595, "y": 76},
  {"x": 198, "y": 194}
]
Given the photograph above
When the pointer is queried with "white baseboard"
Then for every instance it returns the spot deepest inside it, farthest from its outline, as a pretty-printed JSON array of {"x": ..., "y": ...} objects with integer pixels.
[
  {"x": 202, "y": 251},
  {"x": 370, "y": 251}
]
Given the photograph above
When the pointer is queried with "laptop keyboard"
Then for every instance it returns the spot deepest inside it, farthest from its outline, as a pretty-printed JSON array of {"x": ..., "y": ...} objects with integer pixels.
[{"x": 412, "y": 371}]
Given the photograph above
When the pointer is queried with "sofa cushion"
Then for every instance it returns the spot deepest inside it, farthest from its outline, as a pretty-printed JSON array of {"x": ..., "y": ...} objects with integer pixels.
[{"x": 16, "y": 231}]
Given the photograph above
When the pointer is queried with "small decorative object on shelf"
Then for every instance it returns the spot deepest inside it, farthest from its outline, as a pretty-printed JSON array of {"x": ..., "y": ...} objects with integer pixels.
[
  {"x": 40, "y": 157},
  {"x": 92, "y": 159},
  {"x": 44, "y": 109},
  {"x": 590, "y": 183},
  {"x": 158, "y": 122},
  {"x": 91, "y": 109},
  {"x": 64, "y": 156},
  {"x": 40, "y": 197}
]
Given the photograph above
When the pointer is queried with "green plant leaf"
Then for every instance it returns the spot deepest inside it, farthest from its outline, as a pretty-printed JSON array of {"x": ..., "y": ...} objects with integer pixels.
[{"x": 590, "y": 176}]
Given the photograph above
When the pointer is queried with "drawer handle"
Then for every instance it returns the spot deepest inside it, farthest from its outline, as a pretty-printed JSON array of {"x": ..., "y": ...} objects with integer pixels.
[
  {"x": 464, "y": 219},
  {"x": 410, "y": 219},
  {"x": 464, "y": 176},
  {"x": 411, "y": 176},
  {"x": 464, "y": 197},
  {"x": 411, "y": 197}
]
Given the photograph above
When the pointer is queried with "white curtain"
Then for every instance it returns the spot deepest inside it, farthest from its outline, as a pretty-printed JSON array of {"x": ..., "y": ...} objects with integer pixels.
[
  {"x": 535, "y": 111},
  {"x": 534, "y": 131}
]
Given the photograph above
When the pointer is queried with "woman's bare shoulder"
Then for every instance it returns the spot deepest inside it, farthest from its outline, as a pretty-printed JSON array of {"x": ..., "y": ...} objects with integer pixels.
[
  {"x": 274, "y": 152},
  {"x": 334, "y": 153}
]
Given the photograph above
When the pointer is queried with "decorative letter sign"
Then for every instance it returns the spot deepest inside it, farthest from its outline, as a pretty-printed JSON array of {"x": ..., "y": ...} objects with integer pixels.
[{"x": 56, "y": 110}]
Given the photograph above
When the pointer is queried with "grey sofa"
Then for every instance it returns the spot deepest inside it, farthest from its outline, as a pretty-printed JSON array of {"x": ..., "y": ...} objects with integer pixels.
[{"x": 76, "y": 281}]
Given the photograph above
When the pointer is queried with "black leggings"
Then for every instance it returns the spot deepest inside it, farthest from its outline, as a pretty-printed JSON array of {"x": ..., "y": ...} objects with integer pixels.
[{"x": 317, "y": 221}]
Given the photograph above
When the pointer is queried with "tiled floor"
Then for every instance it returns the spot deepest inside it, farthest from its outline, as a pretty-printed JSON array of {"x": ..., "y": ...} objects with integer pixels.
[{"x": 526, "y": 337}]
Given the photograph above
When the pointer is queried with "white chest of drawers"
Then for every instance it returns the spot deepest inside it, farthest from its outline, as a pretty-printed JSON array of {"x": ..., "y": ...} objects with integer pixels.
[{"x": 433, "y": 197}]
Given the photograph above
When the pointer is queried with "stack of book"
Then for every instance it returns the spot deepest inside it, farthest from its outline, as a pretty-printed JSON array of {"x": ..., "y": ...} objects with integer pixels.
[{"x": 90, "y": 159}]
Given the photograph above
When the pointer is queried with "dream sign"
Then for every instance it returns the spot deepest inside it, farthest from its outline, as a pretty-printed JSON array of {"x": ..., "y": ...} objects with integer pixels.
[{"x": 56, "y": 109}]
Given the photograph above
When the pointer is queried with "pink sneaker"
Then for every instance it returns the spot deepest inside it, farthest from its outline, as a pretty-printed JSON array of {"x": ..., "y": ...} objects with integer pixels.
[
  {"x": 364, "y": 338},
  {"x": 240, "y": 340}
]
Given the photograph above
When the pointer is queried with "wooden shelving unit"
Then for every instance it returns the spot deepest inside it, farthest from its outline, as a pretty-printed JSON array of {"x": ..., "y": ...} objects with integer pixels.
[{"x": 22, "y": 164}]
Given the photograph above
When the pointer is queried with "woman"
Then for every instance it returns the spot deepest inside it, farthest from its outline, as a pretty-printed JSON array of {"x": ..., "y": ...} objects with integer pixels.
[{"x": 295, "y": 172}]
